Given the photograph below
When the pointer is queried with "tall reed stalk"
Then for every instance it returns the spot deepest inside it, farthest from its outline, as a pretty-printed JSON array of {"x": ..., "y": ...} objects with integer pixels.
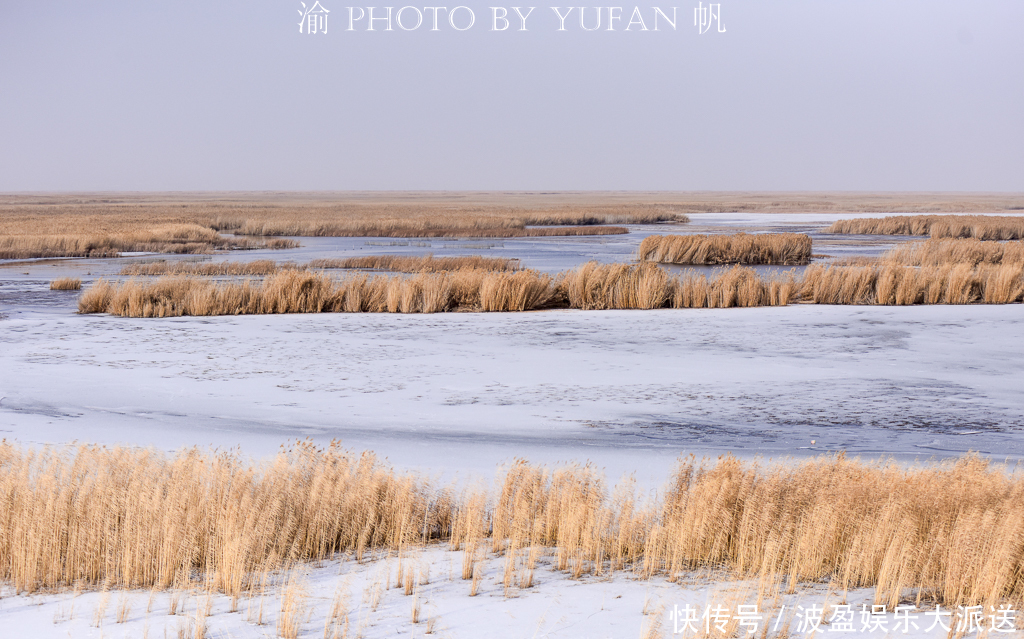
[
  {"x": 982, "y": 227},
  {"x": 971, "y": 252},
  {"x": 950, "y": 532},
  {"x": 592, "y": 286},
  {"x": 787, "y": 249}
]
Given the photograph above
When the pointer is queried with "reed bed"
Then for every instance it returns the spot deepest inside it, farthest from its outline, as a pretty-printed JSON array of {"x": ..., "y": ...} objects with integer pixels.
[
  {"x": 889, "y": 284},
  {"x": 960, "y": 251},
  {"x": 174, "y": 238},
  {"x": 416, "y": 263},
  {"x": 737, "y": 287},
  {"x": 129, "y": 518},
  {"x": 135, "y": 518},
  {"x": 592, "y": 286},
  {"x": 206, "y": 269},
  {"x": 981, "y": 227},
  {"x": 93, "y": 226},
  {"x": 299, "y": 291},
  {"x": 80, "y": 225},
  {"x": 66, "y": 284},
  {"x": 789, "y": 249},
  {"x": 394, "y": 263},
  {"x": 346, "y": 220},
  {"x": 313, "y": 229},
  {"x": 595, "y": 286}
]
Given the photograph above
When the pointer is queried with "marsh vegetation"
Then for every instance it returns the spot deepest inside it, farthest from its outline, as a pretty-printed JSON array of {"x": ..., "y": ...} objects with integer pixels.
[
  {"x": 66, "y": 284},
  {"x": 591, "y": 286},
  {"x": 981, "y": 227},
  {"x": 393, "y": 263},
  {"x": 787, "y": 249},
  {"x": 131, "y": 518},
  {"x": 95, "y": 226}
]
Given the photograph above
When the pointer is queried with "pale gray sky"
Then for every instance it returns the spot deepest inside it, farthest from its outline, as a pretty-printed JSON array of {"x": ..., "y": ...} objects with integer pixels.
[{"x": 218, "y": 95}]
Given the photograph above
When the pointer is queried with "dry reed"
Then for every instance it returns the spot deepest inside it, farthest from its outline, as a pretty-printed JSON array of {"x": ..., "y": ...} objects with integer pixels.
[
  {"x": 591, "y": 286},
  {"x": 39, "y": 225},
  {"x": 889, "y": 284},
  {"x": 417, "y": 263},
  {"x": 208, "y": 269},
  {"x": 949, "y": 532},
  {"x": 787, "y": 249},
  {"x": 645, "y": 286},
  {"x": 982, "y": 227},
  {"x": 735, "y": 287},
  {"x": 959, "y": 251},
  {"x": 105, "y": 226},
  {"x": 293, "y": 609},
  {"x": 337, "y": 622},
  {"x": 173, "y": 238},
  {"x": 394, "y": 263},
  {"x": 297, "y": 291},
  {"x": 347, "y": 220},
  {"x": 250, "y": 227},
  {"x": 66, "y": 284},
  {"x": 136, "y": 518}
]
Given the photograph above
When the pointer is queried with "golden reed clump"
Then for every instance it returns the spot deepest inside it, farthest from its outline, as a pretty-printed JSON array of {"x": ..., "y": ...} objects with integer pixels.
[
  {"x": 298, "y": 291},
  {"x": 948, "y": 532},
  {"x": 889, "y": 284},
  {"x": 591, "y": 286},
  {"x": 135, "y": 518},
  {"x": 395, "y": 263},
  {"x": 172, "y": 238},
  {"x": 982, "y": 227},
  {"x": 66, "y": 284},
  {"x": 787, "y": 249},
  {"x": 89, "y": 226},
  {"x": 595, "y": 286},
  {"x": 735, "y": 287},
  {"x": 443, "y": 220},
  {"x": 417, "y": 263},
  {"x": 207, "y": 269},
  {"x": 961, "y": 251},
  {"x": 311, "y": 229},
  {"x": 41, "y": 225}
]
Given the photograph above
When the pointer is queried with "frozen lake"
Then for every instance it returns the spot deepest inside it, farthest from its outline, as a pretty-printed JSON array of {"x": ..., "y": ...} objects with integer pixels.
[
  {"x": 550, "y": 254},
  {"x": 629, "y": 390},
  {"x": 455, "y": 395}
]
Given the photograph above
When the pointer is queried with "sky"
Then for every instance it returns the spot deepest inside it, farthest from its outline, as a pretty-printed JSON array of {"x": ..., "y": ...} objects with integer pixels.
[{"x": 794, "y": 95}]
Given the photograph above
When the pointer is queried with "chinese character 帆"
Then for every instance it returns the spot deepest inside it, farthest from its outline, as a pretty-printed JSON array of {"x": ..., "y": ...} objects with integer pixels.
[{"x": 705, "y": 16}]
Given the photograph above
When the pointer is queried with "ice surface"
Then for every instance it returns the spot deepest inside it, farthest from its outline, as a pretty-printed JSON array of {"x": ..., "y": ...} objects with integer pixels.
[
  {"x": 458, "y": 394},
  {"x": 629, "y": 390},
  {"x": 618, "y": 606}
]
